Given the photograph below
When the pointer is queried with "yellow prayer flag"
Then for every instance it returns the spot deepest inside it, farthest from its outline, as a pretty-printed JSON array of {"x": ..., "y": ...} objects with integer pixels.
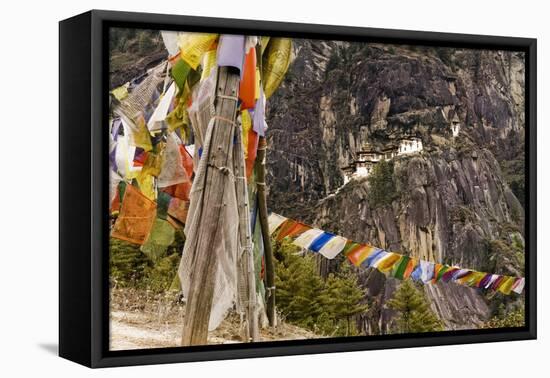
[
  {"x": 506, "y": 285},
  {"x": 194, "y": 45},
  {"x": 263, "y": 42},
  {"x": 208, "y": 62},
  {"x": 246, "y": 122},
  {"x": 146, "y": 185},
  {"x": 257, "y": 86},
  {"x": 275, "y": 63},
  {"x": 388, "y": 262},
  {"x": 121, "y": 92}
]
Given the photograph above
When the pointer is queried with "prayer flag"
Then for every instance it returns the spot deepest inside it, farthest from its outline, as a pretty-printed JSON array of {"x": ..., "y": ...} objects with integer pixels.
[
  {"x": 248, "y": 80},
  {"x": 293, "y": 230},
  {"x": 161, "y": 111},
  {"x": 136, "y": 217},
  {"x": 320, "y": 241},
  {"x": 178, "y": 209},
  {"x": 276, "y": 61},
  {"x": 180, "y": 70},
  {"x": 357, "y": 254},
  {"x": 274, "y": 221},
  {"x": 253, "y": 139},
  {"x": 386, "y": 263},
  {"x": 400, "y": 267},
  {"x": 231, "y": 51},
  {"x": 307, "y": 238},
  {"x": 518, "y": 285},
  {"x": 374, "y": 257},
  {"x": 333, "y": 247},
  {"x": 172, "y": 171},
  {"x": 160, "y": 237},
  {"x": 194, "y": 45},
  {"x": 428, "y": 270},
  {"x": 506, "y": 285}
]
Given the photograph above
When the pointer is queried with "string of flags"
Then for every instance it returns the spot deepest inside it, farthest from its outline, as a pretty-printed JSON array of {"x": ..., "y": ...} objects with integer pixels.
[{"x": 392, "y": 264}]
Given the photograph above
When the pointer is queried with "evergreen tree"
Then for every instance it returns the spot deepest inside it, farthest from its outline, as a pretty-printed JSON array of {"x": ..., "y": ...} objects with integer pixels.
[
  {"x": 298, "y": 286},
  {"x": 414, "y": 312},
  {"x": 382, "y": 188},
  {"x": 342, "y": 301},
  {"x": 304, "y": 299}
]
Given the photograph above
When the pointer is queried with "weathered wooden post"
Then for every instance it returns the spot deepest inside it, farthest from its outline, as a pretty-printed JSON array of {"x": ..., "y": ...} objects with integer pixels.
[
  {"x": 262, "y": 207},
  {"x": 246, "y": 272},
  {"x": 209, "y": 238}
]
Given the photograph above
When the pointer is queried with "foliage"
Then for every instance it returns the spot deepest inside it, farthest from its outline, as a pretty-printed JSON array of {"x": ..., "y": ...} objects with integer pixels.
[
  {"x": 127, "y": 263},
  {"x": 503, "y": 253},
  {"x": 507, "y": 319},
  {"x": 129, "y": 267},
  {"x": 446, "y": 55},
  {"x": 382, "y": 189},
  {"x": 414, "y": 313},
  {"x": 305, "y": 299},
  {"x": 342, "y": 299},
  {"x": 132, "y": 40},
  {"x": 333, "y": 61},
  {"x": 514, "y": 174},
  {"x": 461, "y": 214}
]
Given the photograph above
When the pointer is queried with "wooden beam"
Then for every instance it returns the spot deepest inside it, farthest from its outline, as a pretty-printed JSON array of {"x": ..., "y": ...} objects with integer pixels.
[
  {"x": 208, "y": 242},
  {"x": 246, "y": 255},
  {"x": 262, "y": 207}
]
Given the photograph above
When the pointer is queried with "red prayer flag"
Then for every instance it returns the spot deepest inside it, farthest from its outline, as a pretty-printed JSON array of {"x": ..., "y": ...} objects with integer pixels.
[{"x": 253, "y": 139}]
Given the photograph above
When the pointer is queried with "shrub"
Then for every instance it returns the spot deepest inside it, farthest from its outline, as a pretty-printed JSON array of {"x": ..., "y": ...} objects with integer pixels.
[{"x": 381, "y": 189}]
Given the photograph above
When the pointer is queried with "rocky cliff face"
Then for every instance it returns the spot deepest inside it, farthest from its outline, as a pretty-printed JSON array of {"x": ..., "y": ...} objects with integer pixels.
[{"x": 452, "y": 202}]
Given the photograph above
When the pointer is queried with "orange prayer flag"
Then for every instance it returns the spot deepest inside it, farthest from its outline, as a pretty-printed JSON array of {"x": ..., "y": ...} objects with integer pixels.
[
  {"x": 291, "y": 229},
  {"x": 187, "y": 161},
  {"x": 180, "y": 191},
  {"x": 136, "y": 217},
  {"x": 178, "y": 209},
  {"x": 359, "y": 254},
  {"x": 247, "y": 88},
  {"x": 410, "y": 267}
]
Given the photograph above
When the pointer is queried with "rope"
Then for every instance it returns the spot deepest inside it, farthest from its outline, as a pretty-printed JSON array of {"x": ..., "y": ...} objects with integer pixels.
[
  {"x": 270, "y": 290},
  {"x": 225, "y": 119},
  {"x": 228, "y": 97},
  {"x": 225, "y": 170}
]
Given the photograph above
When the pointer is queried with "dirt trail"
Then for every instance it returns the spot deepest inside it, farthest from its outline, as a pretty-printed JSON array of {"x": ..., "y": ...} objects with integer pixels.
[{"x": 158, "y": 324}]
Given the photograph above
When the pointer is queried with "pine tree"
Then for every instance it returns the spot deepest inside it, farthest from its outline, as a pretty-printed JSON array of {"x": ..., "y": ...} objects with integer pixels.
[
  {"x": 305, "y": 299},
  {"x": 342, "y": 301},
  {"x": 414, "y": 312},
  {"x": 298, "y": 286}
]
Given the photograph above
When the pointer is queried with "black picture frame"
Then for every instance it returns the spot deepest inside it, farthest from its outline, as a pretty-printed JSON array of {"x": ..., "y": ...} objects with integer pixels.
[{"x": 83, "y": 181}]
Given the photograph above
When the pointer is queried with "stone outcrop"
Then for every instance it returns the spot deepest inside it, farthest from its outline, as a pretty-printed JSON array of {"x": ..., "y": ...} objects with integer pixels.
[{"x": 452, "y": 200}]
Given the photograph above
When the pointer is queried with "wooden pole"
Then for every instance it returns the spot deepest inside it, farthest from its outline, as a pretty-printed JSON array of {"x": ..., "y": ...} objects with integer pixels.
[
  {"x": 245, "y": 237},
  {"x": 262, "y": 207},
  {"x": 209, "y": 239}
]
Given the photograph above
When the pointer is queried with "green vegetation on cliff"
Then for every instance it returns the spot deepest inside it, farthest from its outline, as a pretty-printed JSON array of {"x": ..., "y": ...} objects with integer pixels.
[{"x": 382, "y": 189}]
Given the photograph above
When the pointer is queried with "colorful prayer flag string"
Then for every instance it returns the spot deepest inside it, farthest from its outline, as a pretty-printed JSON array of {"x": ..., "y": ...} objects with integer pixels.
[{"x": 393, "y": 264}]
